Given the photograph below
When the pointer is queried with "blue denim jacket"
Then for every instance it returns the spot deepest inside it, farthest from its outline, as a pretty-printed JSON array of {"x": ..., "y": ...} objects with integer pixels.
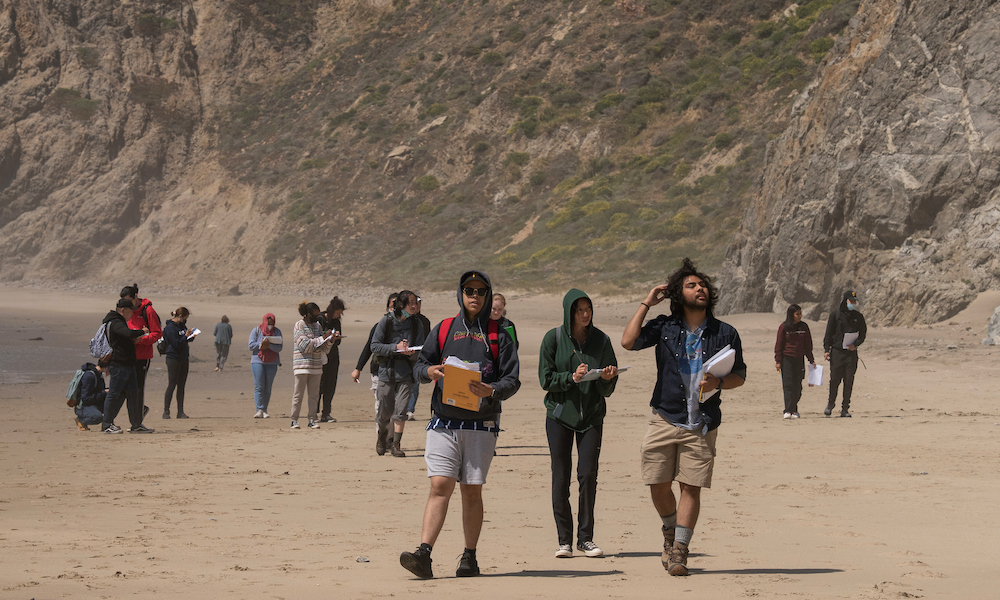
[{"x": 669, "y": 396}]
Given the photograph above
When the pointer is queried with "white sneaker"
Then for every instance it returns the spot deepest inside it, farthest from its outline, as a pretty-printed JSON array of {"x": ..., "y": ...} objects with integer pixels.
[
  {"x": 259, "y": 414},
  {"x": 795, "y": 415},
  {"x": 265, "y": 416},
  {"x": 564, "y": 551},
  {"x": 313, "y": 424},
  {"x": 787, "y": 416},
  {"x": 295, "y": 425},
  {"x": 590, "y": 549}
]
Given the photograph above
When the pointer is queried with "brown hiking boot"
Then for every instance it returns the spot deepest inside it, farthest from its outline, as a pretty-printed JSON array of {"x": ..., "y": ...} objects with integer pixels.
[
  {"x": 397, "y": 451},
  {"x": 678, "y": 560},
  {"x": 668, "y": 543},
  {"x": 380, "y": 445}
]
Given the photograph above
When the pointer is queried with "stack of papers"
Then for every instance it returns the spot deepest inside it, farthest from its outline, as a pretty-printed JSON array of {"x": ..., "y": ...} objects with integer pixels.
[
  {"x": 850, "y": 338},
  {"x": 722, "y": 363}
]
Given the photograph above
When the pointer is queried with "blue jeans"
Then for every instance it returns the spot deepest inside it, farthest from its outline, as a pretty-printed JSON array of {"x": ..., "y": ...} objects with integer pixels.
[
  {"x": 123, "y": 387},
  {"x": 89, "y": 415},
  {"x": 263, "y": 379},
  {"x": 413, "y": 398}
]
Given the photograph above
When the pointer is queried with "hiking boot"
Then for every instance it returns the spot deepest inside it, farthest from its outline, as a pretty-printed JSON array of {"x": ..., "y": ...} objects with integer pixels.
[
  {"x": 80, "y": 425},
  {"x": 295, "y": 425},
  {"x": 668, "y": 544},
  {"x": 181, "y": 415},
  {"x": 166, "y": 414},
  {"x": 678, "y": 560},
  {"x": 829, "y": 409},
  {"x": 398, "y": 453},
  {"x": 140, "y": 428},
  {"x": 112, "y": 429},
  {"x": 564, "y": 551},
  {"x": 313, "y": 424},
  {"x": 417, "y": 562},
  {"x": 467, "y": 565},
  {"x": 589, "y": 549},
  {"x": 844, "y": 413},
  {"x": 380, "y": 446}
]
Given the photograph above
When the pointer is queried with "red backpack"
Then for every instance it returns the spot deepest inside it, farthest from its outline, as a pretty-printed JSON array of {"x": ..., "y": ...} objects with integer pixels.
[{"x": 493, "y": 334}]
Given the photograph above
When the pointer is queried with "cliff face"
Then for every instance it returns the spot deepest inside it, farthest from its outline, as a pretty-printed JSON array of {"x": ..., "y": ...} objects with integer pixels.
[{"x": 886, "y": 179}]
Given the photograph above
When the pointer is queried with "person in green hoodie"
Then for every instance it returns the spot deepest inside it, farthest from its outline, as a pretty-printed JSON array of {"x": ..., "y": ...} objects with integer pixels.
[{"x": 575, "y": 409}]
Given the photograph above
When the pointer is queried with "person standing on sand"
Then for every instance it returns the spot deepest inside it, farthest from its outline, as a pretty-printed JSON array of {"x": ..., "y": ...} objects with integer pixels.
[
  {"x": 223, "y": 338},
  {"x": 330, "y": 319},
  {"x": 680, "y": 441},
  {"x": 845, "y": 322},
  {"x": 310, "y": 343},
  {"x": 366, "y": 354},
  {"x": 793, "y": 344},
  {"x": 265, "y": 344},
  {"x": 412, "y": 407},
  {"x": 143, "y": 315},
  {"x": 574, "y": 410},
  {"x": 121, "y": 367},
  {"x": 176, "y": 336},
  {"x": 461, "y": 443}
]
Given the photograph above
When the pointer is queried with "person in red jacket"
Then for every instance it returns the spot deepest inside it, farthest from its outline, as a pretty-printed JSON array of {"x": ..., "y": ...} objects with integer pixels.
[{"x": 143, "y": 315}]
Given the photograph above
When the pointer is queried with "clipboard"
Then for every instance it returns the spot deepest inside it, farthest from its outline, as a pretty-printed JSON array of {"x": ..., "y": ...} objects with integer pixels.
[{"x": 595, "y": 374}]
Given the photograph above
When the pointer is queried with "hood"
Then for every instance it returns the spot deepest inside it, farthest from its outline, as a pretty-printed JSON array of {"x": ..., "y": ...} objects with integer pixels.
[
  {"x": 572, "y": 296},
  {"x": 112, "y": 315},
  {"x": 484, "y": 315}
]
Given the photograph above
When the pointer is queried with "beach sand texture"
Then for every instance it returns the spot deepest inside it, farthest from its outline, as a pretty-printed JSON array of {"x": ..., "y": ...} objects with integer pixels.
[{"x": 897, "y": 502}]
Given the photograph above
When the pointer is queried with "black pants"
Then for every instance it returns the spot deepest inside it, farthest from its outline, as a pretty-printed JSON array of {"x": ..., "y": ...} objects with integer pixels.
[
  {"x": 843, "y": 365},
  {"x": 177, "y": 374},
  {"x": 588, "y": 448},
  {"x": 793, "y": 370},
  {"x": 141, "y": 369},
  {"x": 328, "y": 383}
]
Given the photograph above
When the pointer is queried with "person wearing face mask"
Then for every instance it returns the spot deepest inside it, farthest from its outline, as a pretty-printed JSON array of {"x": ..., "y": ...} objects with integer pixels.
[
  {"x": 390, "y": 345},
  {"x": 265, "y": 344},
  {"x": 310, "y": 343},
  {"x": 176, "y": 336},
  {"x": 845, "y": 331},
  {"x": 794, "y": 343}
]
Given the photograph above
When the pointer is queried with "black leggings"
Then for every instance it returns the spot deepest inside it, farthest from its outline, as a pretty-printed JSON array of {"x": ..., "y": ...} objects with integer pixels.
[
  {"x": 588, "y": 449},
  {"x": 328, "y": 382},
  {"x": 792, "y": 372},
  {"x": 177, "y": 374}
]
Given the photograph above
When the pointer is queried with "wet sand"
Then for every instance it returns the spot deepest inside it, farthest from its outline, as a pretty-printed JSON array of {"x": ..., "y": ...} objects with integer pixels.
[{"x": 898, "y": 501}]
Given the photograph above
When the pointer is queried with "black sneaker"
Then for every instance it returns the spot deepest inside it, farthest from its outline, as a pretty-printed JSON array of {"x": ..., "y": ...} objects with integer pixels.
[
  {"x": 140, "y": 428},
  {"x": 467, "y": 566},
  {"x": 112, "y": 429},
  {"x": 829, "y": 409},
  {"x": 327, "y": 419},
  {"x": 844, "y": 413},
  {"x": 417, "y": 562}
]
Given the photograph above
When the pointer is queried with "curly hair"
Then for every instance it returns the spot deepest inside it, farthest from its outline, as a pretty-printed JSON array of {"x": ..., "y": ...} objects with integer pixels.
[{"x": 675, "y": 287}]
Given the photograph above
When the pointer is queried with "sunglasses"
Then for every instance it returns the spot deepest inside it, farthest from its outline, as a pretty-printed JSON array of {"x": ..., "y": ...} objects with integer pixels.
[{"x": 472, "y": 292}]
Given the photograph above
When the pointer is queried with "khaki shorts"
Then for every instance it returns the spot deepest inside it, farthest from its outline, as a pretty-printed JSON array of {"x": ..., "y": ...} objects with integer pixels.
[{"x": 670, "y": 453}]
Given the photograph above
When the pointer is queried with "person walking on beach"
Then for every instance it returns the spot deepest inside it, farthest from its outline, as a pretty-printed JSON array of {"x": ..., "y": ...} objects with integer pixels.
[
  {"x": 412, "y": 407},
  {"x": 330, "y": 319},
  {"x": 394, "y": 334},
  {"x": 461, "y": 443},
  {"x": 680, "y": 441},
  {"x": 121, "y": 368},
  {"x": 223, "y": 339},
  {"x": 265, "y": 344},
  {"x": 574, "y": 410},
  {"x": 499, "y": 314},
  {"x": 176, "y": 336},
  {"x": 366, "y": 354},
  {"x": 845, "y": 331},
  {"x": 794, "y": 343},
  {"x": 310, "y": 343},
  {"x": 143, "y": 315}
]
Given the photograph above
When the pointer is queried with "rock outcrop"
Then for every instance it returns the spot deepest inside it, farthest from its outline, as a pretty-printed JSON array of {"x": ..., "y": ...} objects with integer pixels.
[{"x": 886, "y": 179}]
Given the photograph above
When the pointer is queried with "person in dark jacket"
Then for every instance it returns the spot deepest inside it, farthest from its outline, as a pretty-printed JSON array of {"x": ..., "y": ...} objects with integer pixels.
[
  {"x": 121, "y": 368},
  {"x": 575, "y": 409},
  {"x": 366, "y": 354},
  {"x": 176, "y": 336},
  {"x": 223, "y": 339},
  {"x": 844, "y": 324},
  {"x": 92, "y": 395},
  {"x": 793, "y": 344},
  {"x": 330, "y": 319},
  {"x": 460, "y": 442},
  {"x": 412, "y": 407},
  {"x": 680, "y": 442}
]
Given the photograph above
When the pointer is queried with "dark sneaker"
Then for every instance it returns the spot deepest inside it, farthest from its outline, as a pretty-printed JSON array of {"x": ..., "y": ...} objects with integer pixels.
[
  {"x": 668, "y": 543},
  {"x": 140, "y": 428},
  {"x": 181, "y": 415},
  {"x": 113, "y": 429},
  {"x": 678, "y": 560},
  {"x": 829, "y": 409},
  {"x": 327, "y": 419},
  {"x": 166, "y": 414},
  {"x": 844, "y": 413},
  {"x": 467, "y": 566},
  {"x": 380, "y": 446},
  {"x": 590, "y": 549},
  {"x": 417, "y": 562}
]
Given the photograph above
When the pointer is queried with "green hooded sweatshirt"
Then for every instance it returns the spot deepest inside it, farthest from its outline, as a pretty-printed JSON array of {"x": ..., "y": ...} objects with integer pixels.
[{"x": 578, "y": 406}]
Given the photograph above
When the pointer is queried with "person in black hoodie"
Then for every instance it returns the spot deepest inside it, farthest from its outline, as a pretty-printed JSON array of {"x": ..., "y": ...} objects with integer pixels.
[
  {"x": 460, "y": 443},
  {"x": 176, "y": 335},
  {"x": 121, "y": 366},
  {"x": 843, "y": 357}
]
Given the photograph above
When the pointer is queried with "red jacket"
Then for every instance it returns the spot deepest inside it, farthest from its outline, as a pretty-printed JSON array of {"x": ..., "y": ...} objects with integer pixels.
[
  {"x": 145, "y": 316},
  {"x": 796, "y": 343}
]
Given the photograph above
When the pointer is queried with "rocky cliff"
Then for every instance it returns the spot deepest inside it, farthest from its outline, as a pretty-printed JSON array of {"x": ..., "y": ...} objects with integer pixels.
[{"x": 885, "y": 180}]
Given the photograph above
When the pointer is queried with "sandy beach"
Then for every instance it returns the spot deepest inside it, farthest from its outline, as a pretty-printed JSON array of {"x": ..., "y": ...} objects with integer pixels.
[{"x": 898, "y": 501}]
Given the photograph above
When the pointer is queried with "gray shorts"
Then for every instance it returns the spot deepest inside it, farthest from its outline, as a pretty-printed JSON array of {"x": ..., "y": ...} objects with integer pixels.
[{"x": 461, "y": 454}]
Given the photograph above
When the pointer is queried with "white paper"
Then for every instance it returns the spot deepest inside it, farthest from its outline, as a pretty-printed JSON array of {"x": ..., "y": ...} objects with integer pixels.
[
  {"x": 454, "y": 361},
  {"x": 595, "y": 374},
  {"x": 274, "y": 339},
  {"x": 194, "y": 332},
  {"x": 722, "y": 363},
  {"x": 850, "y": 338},
  {"x": 415, "y": 348},
  {"x": 814, "y": 374}
]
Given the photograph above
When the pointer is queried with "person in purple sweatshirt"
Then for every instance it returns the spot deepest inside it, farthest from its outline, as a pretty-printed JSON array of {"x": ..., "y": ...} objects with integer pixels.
[{"x": 793, "y": 344}]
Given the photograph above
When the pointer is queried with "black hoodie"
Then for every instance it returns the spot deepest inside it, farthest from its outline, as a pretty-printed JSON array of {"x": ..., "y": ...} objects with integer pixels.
[
  {"x": 844, "y": 321},
  {"x": 467, "y": 341},
  {"x": 122, "y": 340}
]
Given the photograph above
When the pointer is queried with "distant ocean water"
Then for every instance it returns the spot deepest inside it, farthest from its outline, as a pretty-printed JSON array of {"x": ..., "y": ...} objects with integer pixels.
[{"x": 29, "y": 361}]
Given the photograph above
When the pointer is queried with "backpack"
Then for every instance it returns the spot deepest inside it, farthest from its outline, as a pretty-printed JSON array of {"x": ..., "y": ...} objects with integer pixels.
[
  {"x": 493, "y": 330},
  {"x": 387, "y": 337},
  {"x": 161, "y": 346},
  {"x": 100, "y": 346},
  {"x": 73, "y": 392}
]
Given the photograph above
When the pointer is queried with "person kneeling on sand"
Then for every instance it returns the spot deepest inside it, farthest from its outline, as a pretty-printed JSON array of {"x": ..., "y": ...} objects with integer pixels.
[
  {"x": 89, "y": 409},
  {"x": 460, "y": 442}
]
